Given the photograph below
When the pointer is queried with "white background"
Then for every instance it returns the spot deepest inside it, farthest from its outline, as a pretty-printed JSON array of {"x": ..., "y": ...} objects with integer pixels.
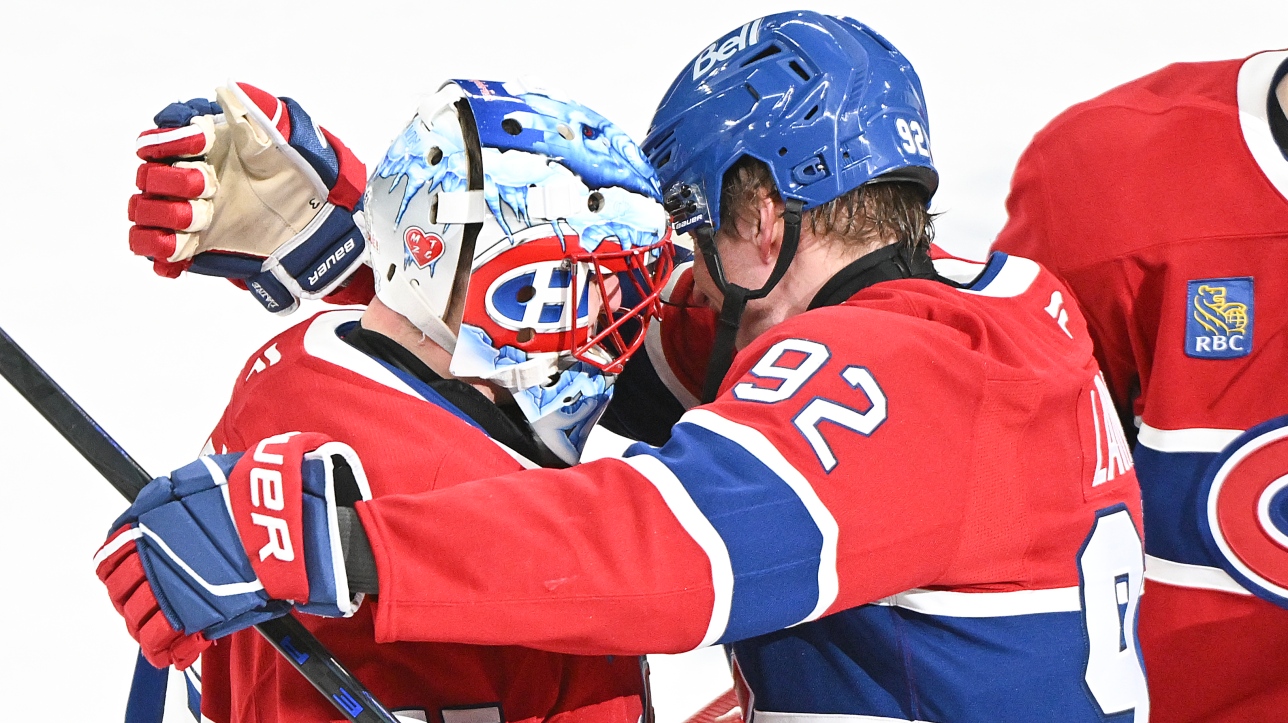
[{"x": 153, "y": 359}]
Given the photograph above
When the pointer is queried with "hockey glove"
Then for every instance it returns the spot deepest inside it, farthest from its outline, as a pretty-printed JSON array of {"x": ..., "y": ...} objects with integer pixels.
[
  {"x": 249, "y": 188},
  {"x": 230, "y": 541}
]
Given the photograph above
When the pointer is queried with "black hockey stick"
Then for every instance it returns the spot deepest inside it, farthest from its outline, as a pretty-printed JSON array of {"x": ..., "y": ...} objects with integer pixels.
[{"x": 305, "y": 652}]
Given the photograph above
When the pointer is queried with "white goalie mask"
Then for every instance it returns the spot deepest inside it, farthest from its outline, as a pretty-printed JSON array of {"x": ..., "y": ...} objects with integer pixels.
[{"x": 524, "y": 234}]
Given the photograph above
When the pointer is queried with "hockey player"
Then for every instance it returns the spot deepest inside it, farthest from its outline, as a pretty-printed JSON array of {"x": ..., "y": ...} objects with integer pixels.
[
  {"x": 1163, "y": 204},
  {"x": 909, "y": 500},
  {"x": 506, "y": 225}
]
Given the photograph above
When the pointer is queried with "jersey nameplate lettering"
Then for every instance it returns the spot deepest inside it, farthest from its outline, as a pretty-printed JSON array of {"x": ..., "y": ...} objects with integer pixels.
[{"x": 1219, "y": 318}]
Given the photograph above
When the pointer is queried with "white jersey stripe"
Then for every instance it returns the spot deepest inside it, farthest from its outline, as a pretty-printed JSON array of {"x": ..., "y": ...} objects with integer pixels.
[
  {"x": 760, "y": 447},
  {"x": 948, "y": 603},
  {"x": 1016, "y": 276},
  {"x": 1181, "y": 574},
  {"x": 1196, "y": 439},
  {"x": 686, "y": 511},
  {"x": 1254, "y": 84}
]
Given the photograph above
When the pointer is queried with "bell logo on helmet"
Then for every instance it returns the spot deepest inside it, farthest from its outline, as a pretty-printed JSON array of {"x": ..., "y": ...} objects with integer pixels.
[
  {"x": 423, "y": 248},
  {"x": 724, "y": 49}
]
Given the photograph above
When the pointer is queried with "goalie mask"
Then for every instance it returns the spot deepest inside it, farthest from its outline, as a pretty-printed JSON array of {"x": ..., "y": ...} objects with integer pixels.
[{"x": 524, "y": 234}]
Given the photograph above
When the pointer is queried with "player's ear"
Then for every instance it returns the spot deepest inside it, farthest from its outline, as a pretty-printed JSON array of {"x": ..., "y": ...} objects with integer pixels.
[{"x": 768, "y": 230}]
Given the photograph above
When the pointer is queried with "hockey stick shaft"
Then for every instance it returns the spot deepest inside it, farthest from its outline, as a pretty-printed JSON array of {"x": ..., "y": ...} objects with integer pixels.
[{"x": 304, "y": 651}]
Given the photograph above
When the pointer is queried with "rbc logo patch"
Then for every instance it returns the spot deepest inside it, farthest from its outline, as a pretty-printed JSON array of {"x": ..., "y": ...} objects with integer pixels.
[{"x": 1220, "y": 316}]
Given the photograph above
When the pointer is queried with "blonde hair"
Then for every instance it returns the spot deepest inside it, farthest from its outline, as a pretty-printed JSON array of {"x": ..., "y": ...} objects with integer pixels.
[{"x": 889, "y": 212}]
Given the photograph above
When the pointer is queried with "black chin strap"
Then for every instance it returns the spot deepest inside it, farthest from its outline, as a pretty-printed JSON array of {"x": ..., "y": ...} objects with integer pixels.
[
  {"x": 736, "y": 297},
  {"x": 887, "y": 263}
]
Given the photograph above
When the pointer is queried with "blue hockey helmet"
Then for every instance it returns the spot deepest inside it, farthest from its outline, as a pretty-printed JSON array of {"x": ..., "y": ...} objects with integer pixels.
[{"x": 825, "y": 102}]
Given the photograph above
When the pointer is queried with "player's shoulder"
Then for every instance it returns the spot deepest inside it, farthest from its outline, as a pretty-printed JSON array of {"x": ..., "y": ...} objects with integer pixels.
[
  {"x": 1005, "y": 311},
  {"x": 315, "y": 338},
  {"x": 1154, "y": 100}
]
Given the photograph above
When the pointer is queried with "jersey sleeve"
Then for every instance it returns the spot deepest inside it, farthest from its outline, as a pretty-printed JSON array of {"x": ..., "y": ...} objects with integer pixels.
[
  {"x": 1053, "y": 220},
  {"x": 762, "y": 511}
]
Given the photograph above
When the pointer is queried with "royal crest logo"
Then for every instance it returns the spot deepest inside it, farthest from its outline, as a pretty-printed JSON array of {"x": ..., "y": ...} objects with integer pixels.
[{"x": 1220, "y": 317}]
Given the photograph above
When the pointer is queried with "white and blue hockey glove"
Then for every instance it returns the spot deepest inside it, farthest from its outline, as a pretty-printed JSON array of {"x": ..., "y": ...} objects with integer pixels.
[
  {"x": 249, "y": 188},
  {"x": 233, "y": 540}
]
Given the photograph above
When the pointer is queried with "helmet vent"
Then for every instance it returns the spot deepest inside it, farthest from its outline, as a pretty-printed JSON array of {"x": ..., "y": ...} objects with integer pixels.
[
  {"x": 666, "y": 158},
  {"x": 796, "y": 67},
  {"x": 511, "y": 126},
  {"x": 769, "y": 51},
  {"x": 390, "y": 275},
  {"x": 434, "y": 156},
  {"x": 811, "y": 113},
  {"x": 754, "y": 95},
  {"x": 595, "y": 202}
]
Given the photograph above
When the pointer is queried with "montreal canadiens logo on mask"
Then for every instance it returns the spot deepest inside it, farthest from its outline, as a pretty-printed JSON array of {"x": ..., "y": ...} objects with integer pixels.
[
  {"x": 527, "y": 296},
  {"x": 1243, "y": 509},
  {"x": 538, "y": 296},
  {"x": 424, "y": 248}
]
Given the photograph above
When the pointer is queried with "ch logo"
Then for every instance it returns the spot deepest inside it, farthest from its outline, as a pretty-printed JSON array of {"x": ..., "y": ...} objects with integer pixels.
[{"x": 538, "y": 296}]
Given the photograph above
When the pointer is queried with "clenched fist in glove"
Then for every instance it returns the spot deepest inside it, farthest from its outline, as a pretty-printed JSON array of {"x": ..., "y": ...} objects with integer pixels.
[
  {"x": 233, "y": 540},
  {"x": 249, "y": 188}
]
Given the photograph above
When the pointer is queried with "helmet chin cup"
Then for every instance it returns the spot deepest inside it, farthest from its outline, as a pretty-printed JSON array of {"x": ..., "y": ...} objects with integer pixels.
[{"x": 524, "y": 233}]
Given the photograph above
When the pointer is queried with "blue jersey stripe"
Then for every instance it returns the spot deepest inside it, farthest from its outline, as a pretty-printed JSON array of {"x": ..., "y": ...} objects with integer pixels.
[
  {"x": 1169, "y": 483},
  {"x": 875, "y": 661},
  {"x": 774, "y": 544}
]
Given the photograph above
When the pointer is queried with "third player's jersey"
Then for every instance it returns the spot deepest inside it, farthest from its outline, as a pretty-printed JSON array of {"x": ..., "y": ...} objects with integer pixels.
[
  {"x": 915, "y": 505},
  {"x": 412, "y": 439},
  {"x": 1164, "y": 205}
]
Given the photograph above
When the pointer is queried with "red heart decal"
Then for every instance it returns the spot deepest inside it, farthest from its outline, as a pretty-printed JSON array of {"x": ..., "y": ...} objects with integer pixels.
[{"x": 425, "y": 248}]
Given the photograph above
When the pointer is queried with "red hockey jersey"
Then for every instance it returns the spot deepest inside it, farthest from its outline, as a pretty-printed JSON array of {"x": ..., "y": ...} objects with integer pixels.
[
  {"x": 916, "y": 505},
  {"x": 309, "y": 378},
  {"x": 1164, "y": 206}
]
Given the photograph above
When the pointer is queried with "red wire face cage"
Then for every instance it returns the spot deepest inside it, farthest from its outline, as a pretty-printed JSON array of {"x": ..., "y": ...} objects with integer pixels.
[{"x": 595, "y": 305}]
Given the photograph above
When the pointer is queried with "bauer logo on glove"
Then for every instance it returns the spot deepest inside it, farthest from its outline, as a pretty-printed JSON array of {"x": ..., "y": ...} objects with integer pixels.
[
  {"x": 232, "y": 540},
  {"x": 249, "y": 188}
]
